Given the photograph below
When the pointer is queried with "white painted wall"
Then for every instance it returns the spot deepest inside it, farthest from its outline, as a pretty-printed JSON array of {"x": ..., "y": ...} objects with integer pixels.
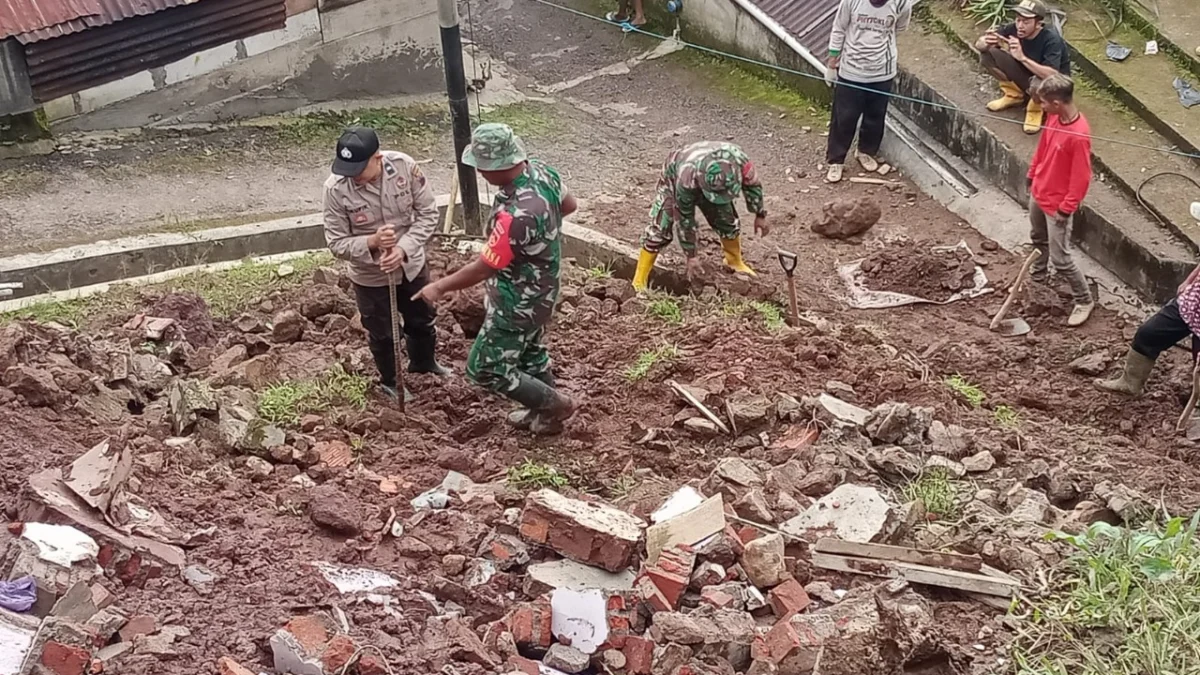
[{"x": 349, "y": 35}]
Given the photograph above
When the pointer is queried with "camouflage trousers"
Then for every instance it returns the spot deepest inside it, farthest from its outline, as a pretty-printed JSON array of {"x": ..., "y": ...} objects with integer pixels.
[
  {"x": 664, "y": 216},
  {"x": 503, "y": 350}
]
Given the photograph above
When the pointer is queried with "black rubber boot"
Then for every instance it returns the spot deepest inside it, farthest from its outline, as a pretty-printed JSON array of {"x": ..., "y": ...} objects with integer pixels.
[
  {"x": 421, "y": 356},
  {"x": 549, "y": 407},
  {"x": 523, "y": 418}
]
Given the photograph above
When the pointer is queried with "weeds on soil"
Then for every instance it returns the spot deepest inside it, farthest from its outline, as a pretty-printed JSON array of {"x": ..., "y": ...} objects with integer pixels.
[
  {"x": 1129, "y": 604},
  {"x": 227, "y": 292},
  {"x": 771, "y": 314},
  {"x": 970, "y": 393},
  {"x": 534, "y": 476},
  {"x": 665, "y": 308},
  {"x": 647, "y": 360},
  {"x": 529, "y": 119},
  {"x": 395, "y": 123},
  {"x": 286, "y": 402},
  {"x": 936, "y": 491},
  {"x": 1006, "y": 417},
  {"x": 598, "y": 272},
  {"x": 990, "y": 12}
]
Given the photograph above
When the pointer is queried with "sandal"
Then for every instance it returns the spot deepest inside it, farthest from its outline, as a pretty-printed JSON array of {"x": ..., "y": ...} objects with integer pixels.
[{"x": 629, "y": 26}]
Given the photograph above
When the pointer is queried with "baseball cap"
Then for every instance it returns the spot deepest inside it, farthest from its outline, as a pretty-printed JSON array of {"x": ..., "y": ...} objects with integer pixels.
[
  {"x": 494, "y": 147},
  {"x": 719, "y": 181},
  {"x": 1031, "y": 9},
  {"x": 355, "y": 148}
]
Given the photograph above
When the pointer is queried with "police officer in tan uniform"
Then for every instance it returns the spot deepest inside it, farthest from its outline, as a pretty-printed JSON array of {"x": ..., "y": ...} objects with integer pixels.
[{"x": 379, "y": 214}]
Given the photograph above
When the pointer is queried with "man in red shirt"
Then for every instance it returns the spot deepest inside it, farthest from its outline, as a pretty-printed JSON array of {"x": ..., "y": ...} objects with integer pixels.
[{"x": 1059, "y": 176}]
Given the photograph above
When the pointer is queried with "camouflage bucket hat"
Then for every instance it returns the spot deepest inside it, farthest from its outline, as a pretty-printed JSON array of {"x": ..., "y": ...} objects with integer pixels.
[
  {"x": 719, "y": 180},
  {"x": 494, "y": 147}
]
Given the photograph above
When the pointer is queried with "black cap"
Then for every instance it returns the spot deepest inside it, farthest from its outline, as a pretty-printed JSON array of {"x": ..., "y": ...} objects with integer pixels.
[{"x": 355, "y": 148}]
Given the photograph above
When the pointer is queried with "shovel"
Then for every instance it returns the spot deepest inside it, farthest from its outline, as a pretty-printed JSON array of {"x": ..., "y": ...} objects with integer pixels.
[
  {"x": 1014, "y": 327},
  {"x": 788, "y": 260}
]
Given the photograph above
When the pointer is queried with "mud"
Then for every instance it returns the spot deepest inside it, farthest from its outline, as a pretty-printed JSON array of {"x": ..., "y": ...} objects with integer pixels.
[{"x": 911, "y": 267}]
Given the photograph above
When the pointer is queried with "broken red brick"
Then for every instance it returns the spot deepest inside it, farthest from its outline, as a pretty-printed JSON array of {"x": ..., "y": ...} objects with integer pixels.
[
  {"x": 717, "y": 598},
  {"x": 310, "y": 632},
  {"x": 652, "y": 596},
  {"x": 227, "y": 666},
  {"x": 639, "y": 655},
  {"x": 623, "y": 617},
  {"x": 781, "y": 640},
  {"x": 141, "y": 624},
  {"x": 672, "y": 573},
  {"x": 62, "y": 659},
  {"x": 521, "y": 664},
  {"x": 530, "y": 624},
  {"x": 339, "y": 652},
  {"x": 588, "y": 533},
  {"x": 707, "y": 574},
  {"x": 15, "y": 529},
  {"x": 370, "y": 664},
  {"x": 748, "y": 534},
  {"x": 787, "y": 599}
]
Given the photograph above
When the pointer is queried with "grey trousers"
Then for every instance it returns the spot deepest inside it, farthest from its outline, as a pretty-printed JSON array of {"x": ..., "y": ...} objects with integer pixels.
[{"x": 1054, "y": 241}]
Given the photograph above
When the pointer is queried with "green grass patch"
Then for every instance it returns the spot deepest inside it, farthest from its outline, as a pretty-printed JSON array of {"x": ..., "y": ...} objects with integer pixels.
[
  {"x": 530, "y": 475},
  {"x": 665, "y": 308},
  {"x": 393, "y": 124},
  {"x": 1128, "y": 603},
  {"x": 227, "y": 292},
  {"x": 988, "y": 12},
  {"x": 286, "y": 402},
  {"x": 1006, "y": 417},
  {"x": 751, "y": 86},
  {"x": 772, "y": 314},
  {"x": 935, "y": 489},
  {"x": 529, "y": 119},
  {"x": 971, "y": 393},
  {"x": 598, "y": 272},
  {"x": 647, "y": 360}
]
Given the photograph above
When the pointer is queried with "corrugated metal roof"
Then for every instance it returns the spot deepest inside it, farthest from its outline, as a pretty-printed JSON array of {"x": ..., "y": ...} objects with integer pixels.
[
  {"x": 73, "y": 63},
  {"x": 809, "y": 21},
  {"x": 38, "y": 20}
]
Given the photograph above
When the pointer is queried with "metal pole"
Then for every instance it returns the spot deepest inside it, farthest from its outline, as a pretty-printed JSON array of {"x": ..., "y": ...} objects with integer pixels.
[{"x": 460, "y": 115}]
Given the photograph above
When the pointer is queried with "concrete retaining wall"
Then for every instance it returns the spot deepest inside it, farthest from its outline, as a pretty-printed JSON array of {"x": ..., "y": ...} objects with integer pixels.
[
  {"x": 146, "y": 255},
  {"x": 371, "y": 48}
]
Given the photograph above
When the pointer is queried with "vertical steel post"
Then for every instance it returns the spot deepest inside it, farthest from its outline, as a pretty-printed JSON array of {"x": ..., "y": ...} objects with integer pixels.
[{"x": 460, "y": 114}]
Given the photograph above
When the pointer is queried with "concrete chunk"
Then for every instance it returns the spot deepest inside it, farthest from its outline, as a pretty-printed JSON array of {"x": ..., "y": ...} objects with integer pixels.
[
  {"x": 763, "y": 561},
  {"x": 577, "y": 576},
  {"x": 851, "y": 512},
  {"x": 590, "y": 533}
]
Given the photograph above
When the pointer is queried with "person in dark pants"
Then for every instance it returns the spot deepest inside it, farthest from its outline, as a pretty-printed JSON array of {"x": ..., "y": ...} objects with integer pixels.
[
  {"x": 1176, "y": 320},
  {"x": 379, "y": 214},
  {"x": 862, "y": 54},
  {"x": 1020, "y": 55}
]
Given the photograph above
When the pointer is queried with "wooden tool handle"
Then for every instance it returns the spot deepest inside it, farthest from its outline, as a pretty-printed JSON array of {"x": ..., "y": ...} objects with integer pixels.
[
  {"x": 1181, "y": 425},
  {"x": 1016, "y": 288}
]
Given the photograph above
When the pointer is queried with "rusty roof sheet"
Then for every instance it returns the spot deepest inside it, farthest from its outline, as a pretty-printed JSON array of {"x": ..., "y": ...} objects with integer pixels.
[
  {"x": 809, "y": 21},
  {"x": 37, "y": 20}
]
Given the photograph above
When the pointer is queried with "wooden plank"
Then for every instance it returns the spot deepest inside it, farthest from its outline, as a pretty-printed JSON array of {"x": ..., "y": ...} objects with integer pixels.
[
  {"x": 689, "y": 527},
  {"x": 873, "y": 181},
  {"x": 917, "y": 574},
  {"x": 12, "y": 284},
  {"x": 954, "y": 561},
  {"x": 698, "y": 405}
]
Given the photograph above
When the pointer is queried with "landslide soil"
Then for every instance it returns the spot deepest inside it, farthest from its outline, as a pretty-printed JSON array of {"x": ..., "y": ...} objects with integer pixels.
[{"x": 916, "y": 269}]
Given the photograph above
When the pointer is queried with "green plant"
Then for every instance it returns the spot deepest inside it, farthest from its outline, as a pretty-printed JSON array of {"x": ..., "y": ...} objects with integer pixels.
[
  {"x": 936, "y": 491},
  {"x": 530, "y": 119},
  {"x": 1127, "y": 602},
  {"x": 991, "y": 12},
  {"x": 411, "y": 123},
  {"x": 646, "y": 361},
  {"x": 287, "y": 402},
  {"x": 531, "y": 475},
  {"x": 1006, "y": 417},
  {"x": 598, "y": 272},
  {"x": 771, "y": 314},
  {"x": 970, "y": 393},
  {"x": 665, "y": 308},
  {"x": 621, "y": 486}
]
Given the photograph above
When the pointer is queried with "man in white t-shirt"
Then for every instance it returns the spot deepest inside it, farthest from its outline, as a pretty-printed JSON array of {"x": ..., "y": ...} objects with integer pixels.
[{"x": 862, "y": 52}]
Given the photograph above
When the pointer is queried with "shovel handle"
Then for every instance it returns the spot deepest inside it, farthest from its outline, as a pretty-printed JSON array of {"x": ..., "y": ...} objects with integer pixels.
[
  {"x": 1016, "y": 288},
  {"x": 787, "y": 260}
]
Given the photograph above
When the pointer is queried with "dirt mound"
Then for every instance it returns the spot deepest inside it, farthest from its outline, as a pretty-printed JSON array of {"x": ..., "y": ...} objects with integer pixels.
[
  {"x": 846, "y": 218},
  {"x": 191, "y": 316},
  {"x": 915, "y": 269}
]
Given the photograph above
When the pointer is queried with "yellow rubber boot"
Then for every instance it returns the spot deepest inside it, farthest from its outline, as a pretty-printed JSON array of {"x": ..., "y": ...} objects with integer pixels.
[
  {"x": 1033, "y": 117},
  {"x": 1013, "y": 97},
  {"x": 733, "y": 256},
  {"x": 641, "y": 278}
]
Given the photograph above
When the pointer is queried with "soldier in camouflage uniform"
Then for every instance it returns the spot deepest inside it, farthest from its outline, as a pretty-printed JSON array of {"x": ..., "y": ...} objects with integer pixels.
[
  {"x": 520, "y": 265},
  {"x": 708, "y": 175}
]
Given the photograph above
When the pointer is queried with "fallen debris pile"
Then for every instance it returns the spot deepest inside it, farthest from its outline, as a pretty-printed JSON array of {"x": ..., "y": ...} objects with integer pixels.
[{"x": 920, "y": 269}]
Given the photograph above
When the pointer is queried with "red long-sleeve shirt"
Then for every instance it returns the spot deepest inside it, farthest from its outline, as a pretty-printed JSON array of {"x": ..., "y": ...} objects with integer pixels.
[{"x": 1061, "y": 169}]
